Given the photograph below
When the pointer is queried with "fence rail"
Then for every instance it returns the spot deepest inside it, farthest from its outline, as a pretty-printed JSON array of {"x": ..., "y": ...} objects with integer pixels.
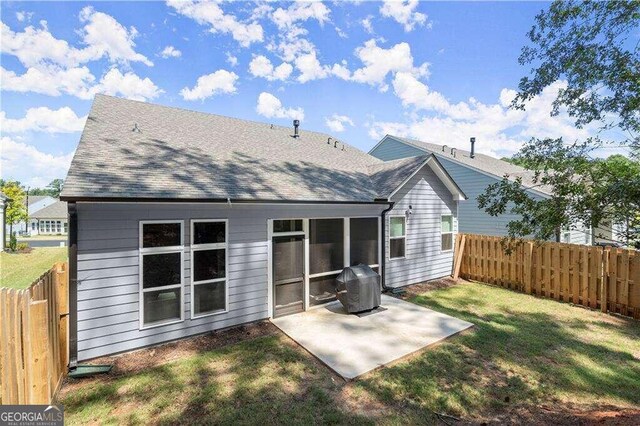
[
  {"x": 595, "y": 277},
  {"x": 33, "y": 338}
]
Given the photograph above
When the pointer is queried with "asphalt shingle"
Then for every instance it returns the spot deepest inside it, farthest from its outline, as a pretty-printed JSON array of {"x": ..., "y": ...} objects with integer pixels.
[{"x": 175, "y": 153}]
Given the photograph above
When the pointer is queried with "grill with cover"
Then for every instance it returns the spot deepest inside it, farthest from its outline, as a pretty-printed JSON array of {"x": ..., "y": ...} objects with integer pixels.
[{"x": 358, "y": 288}]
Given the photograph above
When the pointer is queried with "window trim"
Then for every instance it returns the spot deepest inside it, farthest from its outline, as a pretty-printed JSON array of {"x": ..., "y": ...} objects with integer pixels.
[
  {"x": 213, "y": 246},
  {"x": 452, "y": 232},
  {"x": 159, "y": 250},
  {"x": 404, "y": 237}
]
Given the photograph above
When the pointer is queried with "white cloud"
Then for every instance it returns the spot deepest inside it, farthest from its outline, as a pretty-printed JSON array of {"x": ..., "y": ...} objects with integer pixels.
[
  {"x": 261, "y": 66},
  {"x": 43, "y": 119},
  {"x": 337, "y": 122},
  {"x": 300, "y": 12},
  {"x": 105, "y": 36},
  {"x": 403, "y": 12},
  {"x": 498, "y": 129},
  {"x": 210, "y": 13},
  {"x": 128, "y": 85},
  {"x": 367, "y": 25},
  {"x": 170, "y": 52},
  {"x": 269, "y": 106},
  {"x": 216, "y": 83},
  {"x": 29, "y": 165},
  {"x": 310, "y": 68},
  {"x": 22, "y": 16},
  {"x": 379, "y": 62},
  {"x": 232, "y": 60},
  {"x": 79, "y": 82}
]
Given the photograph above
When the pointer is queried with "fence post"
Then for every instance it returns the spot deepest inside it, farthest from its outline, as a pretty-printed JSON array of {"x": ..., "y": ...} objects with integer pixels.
[
  {"x": 528, "y": 265},
  {"x": 604, "y": 285},
  {"x": 40, "y": 392}
]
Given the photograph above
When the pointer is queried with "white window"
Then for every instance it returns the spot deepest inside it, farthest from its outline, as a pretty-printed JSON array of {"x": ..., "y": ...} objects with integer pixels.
[
  {"x": 397, "y": 236},
  {"x": 161, "y": 272},
  {"x": 566, "y": 236},
  {"x": 33, "y": 226},
  {"x": 209, "y": 255},
  {"x": 446, "y": 242}
]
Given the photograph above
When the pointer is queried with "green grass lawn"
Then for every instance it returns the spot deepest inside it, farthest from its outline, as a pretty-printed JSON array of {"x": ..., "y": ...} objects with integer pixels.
[
  {"x": 527, "y": 360},
  {"x": 19, "y": 270}
]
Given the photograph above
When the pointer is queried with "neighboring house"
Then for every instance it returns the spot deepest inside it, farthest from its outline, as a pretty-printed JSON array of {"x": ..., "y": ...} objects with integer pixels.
[
  {"x": 50, "y": 220},
  {"x": 34, "y": 204},
  {"x": 184, "y": 222},
  {"x": 473, "y": 172},
  {"x": 3, "y": 217}
]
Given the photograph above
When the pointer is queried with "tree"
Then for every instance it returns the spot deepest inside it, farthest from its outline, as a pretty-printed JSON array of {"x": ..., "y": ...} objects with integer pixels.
[
  {"x": 15, "y": 209},
  {"x": 55, "y": 187},
  {"x": 594, "y": 47}
]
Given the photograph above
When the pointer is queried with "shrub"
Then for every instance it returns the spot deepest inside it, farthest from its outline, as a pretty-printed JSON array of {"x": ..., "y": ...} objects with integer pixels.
[
  {"x": 13, "y": 242},
  {"x": 22, "y": 247}
]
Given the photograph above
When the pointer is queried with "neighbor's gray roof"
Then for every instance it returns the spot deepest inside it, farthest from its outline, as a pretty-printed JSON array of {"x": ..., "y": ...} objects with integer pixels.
[
  {"x": 485, "y": 163},
  {"x": 191, "y": 155},
  {"x": 180, "y": 154},
  {"x": 35, "y": 198},
  {"x": 57, "y": 210}
]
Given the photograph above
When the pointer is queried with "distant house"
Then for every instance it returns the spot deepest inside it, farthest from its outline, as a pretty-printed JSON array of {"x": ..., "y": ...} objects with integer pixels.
[
  {"x": 473, "y": 172},
  {"x": 3, "y": 218},
  {"x": 34, "y": 204},
  {"x": 49, "y": 220},
  {"x": 186, "y": 222}
]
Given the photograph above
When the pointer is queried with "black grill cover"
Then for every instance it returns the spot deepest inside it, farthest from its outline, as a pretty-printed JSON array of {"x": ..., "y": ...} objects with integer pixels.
[{"x": 358, "y": 288}]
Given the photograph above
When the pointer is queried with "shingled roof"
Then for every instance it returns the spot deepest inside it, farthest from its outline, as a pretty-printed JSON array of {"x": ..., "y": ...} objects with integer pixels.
[
  {"x": 57, "y": 210},
  {"x": 136, "y": 150},
  {"x": 482, "y": 162}
]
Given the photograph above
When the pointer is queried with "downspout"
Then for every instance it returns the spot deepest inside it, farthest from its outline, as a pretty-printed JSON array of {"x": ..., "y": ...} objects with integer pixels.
[
  {"x": 73, "y": 285},
  {"x": 384, "y": 245}
]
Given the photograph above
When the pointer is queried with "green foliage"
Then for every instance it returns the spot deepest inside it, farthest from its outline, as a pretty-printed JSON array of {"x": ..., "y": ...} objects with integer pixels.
[
  {"x": 53, "y": 189},
  {"x": 13, "y": 242},
  {"x": 15, "y": 210},
  {"x": 594, "y": 46},
  {"x": 22, "y": 246}
]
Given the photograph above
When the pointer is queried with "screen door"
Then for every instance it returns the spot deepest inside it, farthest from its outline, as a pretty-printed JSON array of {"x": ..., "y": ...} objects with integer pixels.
[{"x": 288, "y": 275}]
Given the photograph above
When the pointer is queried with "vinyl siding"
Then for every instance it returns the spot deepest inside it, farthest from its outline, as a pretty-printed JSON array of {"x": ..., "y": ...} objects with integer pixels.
[
  {"x": 423, "y": 260},
  {"x": 108, "y": 268},
  {"x": 471, "y": 219},
  {"x": 392, "y": 149}
]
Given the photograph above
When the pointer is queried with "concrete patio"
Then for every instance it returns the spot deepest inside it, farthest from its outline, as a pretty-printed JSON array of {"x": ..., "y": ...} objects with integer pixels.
[{"x": 352, "y": 345}]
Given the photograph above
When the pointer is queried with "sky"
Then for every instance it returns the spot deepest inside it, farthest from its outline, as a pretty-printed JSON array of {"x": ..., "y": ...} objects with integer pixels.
[{"x": 438, "y": 72}]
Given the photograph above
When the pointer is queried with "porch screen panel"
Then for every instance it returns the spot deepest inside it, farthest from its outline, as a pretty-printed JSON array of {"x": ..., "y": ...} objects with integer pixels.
[
  {"x": 363, "y": 236},
  {"x": 326, "y": 245}
]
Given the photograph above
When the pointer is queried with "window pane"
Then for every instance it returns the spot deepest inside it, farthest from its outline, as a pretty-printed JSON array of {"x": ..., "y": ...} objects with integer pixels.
[
  {"x": 322, "y": 289},
  {"x": 288, "y": 258},
  {"x": 208, "y": 264},
  {"x": 447, "y": 241},
  {"x": 397, "y": 247},
  {"x": 208, "y": 232},
  {"x": 161, "y": 305},
  {"x": 447, "y": 223},
  {"x": 208, "y": 298},
  {"x": 326, "y": 245},
  {"x": 287, "y": 225},
  {"x": 397, "y": 226},
  {"x": 161, "y": 269},
  {"x": 160, "y": 234},
  {"x": 363, "y": 233}
]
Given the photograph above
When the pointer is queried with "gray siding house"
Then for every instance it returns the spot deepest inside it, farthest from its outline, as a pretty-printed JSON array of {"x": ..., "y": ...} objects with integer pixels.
[
  {"x": 473, "y": 173},
  {"x": 182, "y": 222}
]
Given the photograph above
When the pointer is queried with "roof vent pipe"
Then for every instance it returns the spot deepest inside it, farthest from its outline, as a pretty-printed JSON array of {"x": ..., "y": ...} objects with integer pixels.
[
  {"x": 328, "y": 141},
  {"x": 296, "y": 124},
  {"x": 473, "y": 148},
  {"x": 444, "y": 148},
  {"x": 335, "y": 143},
  {"x": 453, "y": 152}
]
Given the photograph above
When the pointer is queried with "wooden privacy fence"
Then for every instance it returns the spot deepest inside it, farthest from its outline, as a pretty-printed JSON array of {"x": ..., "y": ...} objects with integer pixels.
[
  {"x": 33, "y": 338},
  {"x": 595, "y": 277}
]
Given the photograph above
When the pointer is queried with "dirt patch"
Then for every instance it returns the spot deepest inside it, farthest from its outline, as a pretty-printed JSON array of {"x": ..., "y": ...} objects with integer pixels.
[
  {"x": 143, "y": 359},
  {"x": 439, "y": 284},
  {"x": 569, "y": 416}
]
